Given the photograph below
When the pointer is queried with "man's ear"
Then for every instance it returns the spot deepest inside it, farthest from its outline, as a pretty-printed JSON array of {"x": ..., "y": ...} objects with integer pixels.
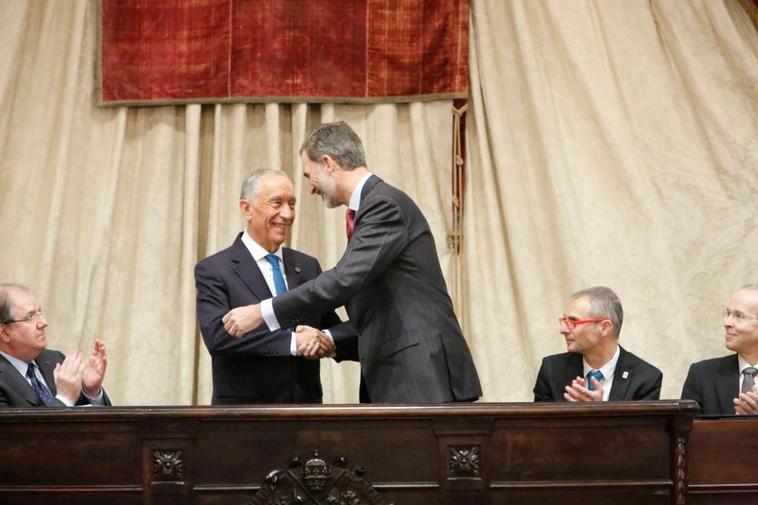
[
  {"x": 329, "y": 163},
  {"x": 246, "y": 208},
  {"x": 607, "y": 326}
]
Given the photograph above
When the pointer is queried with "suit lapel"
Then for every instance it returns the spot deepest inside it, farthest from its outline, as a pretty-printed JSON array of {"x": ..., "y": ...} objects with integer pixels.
[
  {"x": 246, "y": 269},
  {"x": 622, "y": 376},
  {"x": 17, "y": 382},
  {"x": 371, "y": 183},
  {"x": 727, "y": 383},
  {"x": 292, "y": 269},
  {"x": 46, "y": 366},
  {"x": 574, "y": 369}
]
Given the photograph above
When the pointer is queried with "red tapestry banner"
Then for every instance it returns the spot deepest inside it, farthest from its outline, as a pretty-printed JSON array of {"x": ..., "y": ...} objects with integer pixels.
[{"x": 178, "y": 51}]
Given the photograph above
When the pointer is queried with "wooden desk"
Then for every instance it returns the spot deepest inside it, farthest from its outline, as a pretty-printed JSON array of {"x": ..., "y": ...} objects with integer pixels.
[
  {"x": 723, "y": 461},
  {"x": 621, "y": 453}
]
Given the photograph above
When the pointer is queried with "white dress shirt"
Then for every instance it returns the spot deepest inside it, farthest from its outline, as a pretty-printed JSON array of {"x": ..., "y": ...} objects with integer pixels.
[
  {"x": 259, "y": 254},
  {"x": 607, "y": 370},
  {"x": 267, "y": 306}
]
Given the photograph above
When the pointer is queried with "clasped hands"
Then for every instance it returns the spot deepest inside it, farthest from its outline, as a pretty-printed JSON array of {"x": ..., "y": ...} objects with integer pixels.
[
  {"x": 79, "y": 372},
  {"x": 747, "y": 403},
  {"x": 578, "y": 391},
  {"x": 311, "y": 343}
]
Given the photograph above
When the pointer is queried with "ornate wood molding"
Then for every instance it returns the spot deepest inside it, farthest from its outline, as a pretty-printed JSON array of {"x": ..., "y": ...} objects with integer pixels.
[
  {"x": 318, "y": 483},
  {"x": 168, "y": 465},
  {"x": 463, "y": 461}
]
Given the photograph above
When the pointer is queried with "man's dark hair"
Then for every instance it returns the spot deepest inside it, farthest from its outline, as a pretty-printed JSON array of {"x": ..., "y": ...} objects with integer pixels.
[
  {"x": 6, "y": 314},
  {"x": 339, "y": 142}
]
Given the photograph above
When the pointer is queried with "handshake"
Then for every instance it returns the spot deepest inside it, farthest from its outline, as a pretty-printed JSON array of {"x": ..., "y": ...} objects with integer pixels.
[{"x": 313, "y": 343}]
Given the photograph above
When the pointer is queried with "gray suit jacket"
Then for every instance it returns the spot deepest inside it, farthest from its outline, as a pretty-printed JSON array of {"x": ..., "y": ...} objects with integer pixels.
[
  {"x": 714, "y": 384},
  {"x": 411, "y": 347},
  {"x": 15, "y": 391}
]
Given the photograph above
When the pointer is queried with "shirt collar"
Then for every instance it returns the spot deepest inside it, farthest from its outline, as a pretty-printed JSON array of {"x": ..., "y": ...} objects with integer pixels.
[
  {"x": 609, "y": 368},
  {"x": 744, "y": 363},
  {"x": 257, "y": 251},
  {"x": 18, "y": 364},
  {"x": 355, "y": 196}
]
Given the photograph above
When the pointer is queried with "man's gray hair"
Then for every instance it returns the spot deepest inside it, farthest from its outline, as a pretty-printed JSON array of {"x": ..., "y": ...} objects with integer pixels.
[
  {"x": 6, "y": 314},
  {"x": 249, "y": 189},
  {"x": 603, "y": 303},
  {"x": 339, "y": 142}
]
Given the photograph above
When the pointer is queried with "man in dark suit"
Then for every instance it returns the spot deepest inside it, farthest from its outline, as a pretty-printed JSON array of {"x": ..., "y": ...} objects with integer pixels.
[
  {"x": 595, "y": 368},
  {"x": 410, "y": 346},
  {"x": 32, "y": 375},
  {"x": 727, "y": 385},
  {"x": 264, "y": 366}
]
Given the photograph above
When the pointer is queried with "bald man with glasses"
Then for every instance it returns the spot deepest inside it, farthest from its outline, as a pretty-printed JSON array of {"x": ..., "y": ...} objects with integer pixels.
[
  {"x": 595, "y": 368},
  {"x": 727, "y": 385},
  {"x": 32, "y": 375}
]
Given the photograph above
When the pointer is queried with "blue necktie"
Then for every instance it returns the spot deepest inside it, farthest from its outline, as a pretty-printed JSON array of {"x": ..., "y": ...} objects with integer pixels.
[
  {"x": 279, "y": 284},
  {"x": 597, "y": 374},
  {"x": 42, "y": 391}
]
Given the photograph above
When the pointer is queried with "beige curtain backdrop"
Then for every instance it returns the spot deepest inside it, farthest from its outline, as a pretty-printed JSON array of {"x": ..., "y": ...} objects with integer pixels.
[
  {"x": 612, "y": 142},
  {"x": 609, "y": 142}
]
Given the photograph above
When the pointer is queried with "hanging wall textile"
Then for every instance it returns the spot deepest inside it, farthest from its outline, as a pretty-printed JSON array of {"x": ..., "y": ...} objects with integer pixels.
[{"x": 178, "y": 51}]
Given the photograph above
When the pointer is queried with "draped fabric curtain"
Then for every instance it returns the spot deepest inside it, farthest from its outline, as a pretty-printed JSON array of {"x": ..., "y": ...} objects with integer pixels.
[
  {"x": 609, "y": 142},
  {"x": 105, "y": 211}
]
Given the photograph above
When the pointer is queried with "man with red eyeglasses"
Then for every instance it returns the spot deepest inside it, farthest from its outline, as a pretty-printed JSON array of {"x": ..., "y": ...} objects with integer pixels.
[
  {"x": 595, "y": 368},
  {"x": 727, "y": 385},
  {"x": 32, "y": 375}
]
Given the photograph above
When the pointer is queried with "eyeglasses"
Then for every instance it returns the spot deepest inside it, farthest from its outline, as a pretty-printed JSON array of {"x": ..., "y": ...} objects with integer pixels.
[
  {"x": 34, "y": 317},
  {"x": 737, "y": 316},
  {"x": 572, "y": 323}
]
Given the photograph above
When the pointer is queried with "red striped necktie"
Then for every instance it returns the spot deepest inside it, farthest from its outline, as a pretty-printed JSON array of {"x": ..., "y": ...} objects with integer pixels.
[{"x": 349, "y": 222}]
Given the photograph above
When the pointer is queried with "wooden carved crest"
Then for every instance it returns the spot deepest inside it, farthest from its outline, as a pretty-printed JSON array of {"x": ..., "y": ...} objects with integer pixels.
[{"x": 316, "y": 482}]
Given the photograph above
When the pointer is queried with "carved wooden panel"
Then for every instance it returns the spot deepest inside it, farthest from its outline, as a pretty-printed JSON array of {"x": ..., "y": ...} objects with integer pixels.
[
  {"x": 463, "y": 461},
  {"x": 168, "y": 465},
  {"x": 318, "y": 483}
]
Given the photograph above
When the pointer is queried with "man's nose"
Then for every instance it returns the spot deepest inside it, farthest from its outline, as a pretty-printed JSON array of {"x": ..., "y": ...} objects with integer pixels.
[{"x": 288, "y": 212}]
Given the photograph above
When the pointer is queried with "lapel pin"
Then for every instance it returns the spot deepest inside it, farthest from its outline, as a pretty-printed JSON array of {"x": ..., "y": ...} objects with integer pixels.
[
  {"x": 297, "y": 270},
  {"x": 625, "y": 375}
]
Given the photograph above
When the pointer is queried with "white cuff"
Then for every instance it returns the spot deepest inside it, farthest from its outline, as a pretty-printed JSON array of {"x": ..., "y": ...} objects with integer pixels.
[
  {"x": 95, "y": 400},
  {"x": 267, "y": 311},
  {"x": 329, "y": 334},
  {"x": 293, "y": 345},
  {"x": 65, "y": 401}
]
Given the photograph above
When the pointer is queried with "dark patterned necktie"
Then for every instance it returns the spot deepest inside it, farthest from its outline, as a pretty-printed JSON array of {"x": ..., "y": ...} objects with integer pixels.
[
  {"x": 597, "y": 374},
  {"x": 349, "y": 223},
  {"x": 41, "y": 389},
  {"x": 749, "y": 381}
]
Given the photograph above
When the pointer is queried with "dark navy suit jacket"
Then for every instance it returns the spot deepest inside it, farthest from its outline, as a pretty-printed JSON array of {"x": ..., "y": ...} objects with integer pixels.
[
  {"x": 258, "y": 367},
  {"x": 633, "y": 379}
]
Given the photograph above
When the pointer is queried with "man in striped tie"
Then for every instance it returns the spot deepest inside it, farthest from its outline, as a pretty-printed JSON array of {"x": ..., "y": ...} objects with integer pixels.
[
  {"x": 727, "y": 385},
  {"x": 32, "y": 375}
]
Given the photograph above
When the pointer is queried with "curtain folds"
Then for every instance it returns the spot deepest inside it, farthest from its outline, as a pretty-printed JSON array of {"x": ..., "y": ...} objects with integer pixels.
[
  {"x": 608, "y": 142},
  {"x": 611, "y": 143}
]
